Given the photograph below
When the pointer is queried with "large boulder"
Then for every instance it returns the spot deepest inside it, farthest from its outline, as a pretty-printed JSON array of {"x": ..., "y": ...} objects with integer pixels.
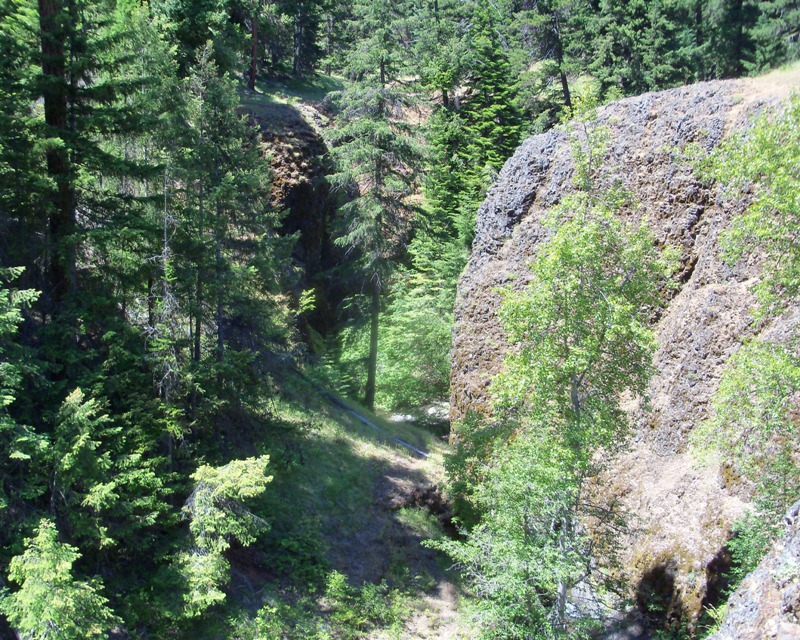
[{"x": 681, "y": 513}]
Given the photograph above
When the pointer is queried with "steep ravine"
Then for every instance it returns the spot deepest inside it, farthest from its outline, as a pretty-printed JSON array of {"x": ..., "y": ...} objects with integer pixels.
[{"x": 681, "y": 513}]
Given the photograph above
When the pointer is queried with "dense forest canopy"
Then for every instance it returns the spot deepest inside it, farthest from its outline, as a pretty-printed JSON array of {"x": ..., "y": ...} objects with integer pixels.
[{"x": 149, "y": 299}]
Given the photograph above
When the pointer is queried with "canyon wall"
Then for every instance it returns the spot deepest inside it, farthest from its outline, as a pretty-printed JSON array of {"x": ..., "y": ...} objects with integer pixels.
[{"x": 681, "y": 512}]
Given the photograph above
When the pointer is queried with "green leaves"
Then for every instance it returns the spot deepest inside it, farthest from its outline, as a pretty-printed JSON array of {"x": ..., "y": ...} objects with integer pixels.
[
  {"x": 579, "y": 341},
  {"x": 582, "y": 324},
  {"x": 753, "y": 430},
  {"x": 767, "y": 158}
]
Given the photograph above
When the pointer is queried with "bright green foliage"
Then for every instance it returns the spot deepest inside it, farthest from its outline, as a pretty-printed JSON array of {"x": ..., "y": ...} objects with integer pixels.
[
  {"x": 755, "y": 421},
  {"x": 753, "y": 426},
  {"x": 591, "y": 295},
  {"x": 754, "y": 429},
  {"x": 493, "y": 120},
  {"x": 754, "y": 534},
  {"x": 215, "y": 506},
  {"x": 767, "y": 156},
  {"x": 217, "y": 516},
  {"x": 20, "y": 446},
  {"x": 352, "y": 612},
  {"x": 414, "y": 360},
  {"x": 81, "y": 463},
  {"x": 580, "y": 339},
  {"x": 50, "y": 603}
]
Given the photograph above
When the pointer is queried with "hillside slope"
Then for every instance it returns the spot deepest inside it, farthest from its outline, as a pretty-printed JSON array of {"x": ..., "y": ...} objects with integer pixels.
[
  {"x": 682, "y": 513},
  {"x": 353, "y": 497}
]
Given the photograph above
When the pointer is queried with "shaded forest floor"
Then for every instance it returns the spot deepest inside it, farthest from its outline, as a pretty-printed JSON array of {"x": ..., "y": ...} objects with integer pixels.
[{"x": 346, "y": 501}]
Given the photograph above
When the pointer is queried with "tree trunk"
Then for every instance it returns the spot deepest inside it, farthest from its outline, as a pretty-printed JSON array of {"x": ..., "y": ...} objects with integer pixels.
[
  {"x": 328, "y": 43},
  {"x": 565, "y": 89},
  {"x": 151, "y": 307},
  {"x": 297, "y": 67},
  {"x": 372, "y": 368},
  {"x": 61, "y": 225},
  {"x": 560, "y": 608},
  {"x": 218, "y": 271},
  {"x": 251, "y": 81},
  {"x": 737, "y": 40},
  {"x": 559, "y": 53},
  {"x": 220, "y": 333},
  {"x": 199, "y": 291}
]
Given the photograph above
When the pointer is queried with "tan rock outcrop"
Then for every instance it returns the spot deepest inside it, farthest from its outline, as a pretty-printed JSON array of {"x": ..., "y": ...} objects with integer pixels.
[{"x": 682, "y": 513}]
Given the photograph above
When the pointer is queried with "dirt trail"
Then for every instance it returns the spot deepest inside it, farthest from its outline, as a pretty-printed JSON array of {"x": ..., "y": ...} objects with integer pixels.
[
  {"x": 383, "y": 546},
  {"x": 435, "y": 614}
]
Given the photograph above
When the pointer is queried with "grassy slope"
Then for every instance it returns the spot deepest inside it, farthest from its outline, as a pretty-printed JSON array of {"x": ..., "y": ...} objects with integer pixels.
[{"x": 344, "y": 501}]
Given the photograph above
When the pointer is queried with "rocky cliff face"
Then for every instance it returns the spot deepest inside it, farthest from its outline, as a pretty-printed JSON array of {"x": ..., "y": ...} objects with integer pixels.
[
  {"x": 296, "y": 148},
  {"x": 767, "y": 603},
  {"x": 681, "y": 513}
]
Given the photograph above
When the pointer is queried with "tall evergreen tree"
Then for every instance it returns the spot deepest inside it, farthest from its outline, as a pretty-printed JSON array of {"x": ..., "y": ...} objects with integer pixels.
[
  {"x": 492, "y": 119},
  {"x": 376, "y": 157},
  {"x": 547, "y": 29},
  {"x": 226, "y": 252}
]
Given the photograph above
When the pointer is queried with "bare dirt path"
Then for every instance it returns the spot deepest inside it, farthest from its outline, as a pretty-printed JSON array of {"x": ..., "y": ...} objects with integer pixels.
[{"x": 387, "y": 544}]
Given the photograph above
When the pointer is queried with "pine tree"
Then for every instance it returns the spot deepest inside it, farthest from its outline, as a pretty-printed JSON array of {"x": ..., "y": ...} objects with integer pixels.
[
  {"x": 492, "y": 120},
  {"x": 440, "y": 49},
  {"x": 775, "y": 34},
  {"x": 50, "y": 602},
  {"x": 490, "y": 110},
  {"x": 376, "y": 158},
  {"x": 23, "y": 449},
  {"x": 548, "y": 29},
  {"x": 225, "y": 249},
  {"x": 379, "y": 158},
  {"x": 727, "y": 34},
  {"x": 306, "y": 51}
]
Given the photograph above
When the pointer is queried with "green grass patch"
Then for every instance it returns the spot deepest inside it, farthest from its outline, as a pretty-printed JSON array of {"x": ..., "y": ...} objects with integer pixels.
[
  {"x": 294, "y": 90},
  {"x": 421, "y": 522}
]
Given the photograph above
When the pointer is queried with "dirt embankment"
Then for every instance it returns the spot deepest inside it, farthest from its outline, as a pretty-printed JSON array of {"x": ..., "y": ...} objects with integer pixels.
[{"x": 681, "y": 513}]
